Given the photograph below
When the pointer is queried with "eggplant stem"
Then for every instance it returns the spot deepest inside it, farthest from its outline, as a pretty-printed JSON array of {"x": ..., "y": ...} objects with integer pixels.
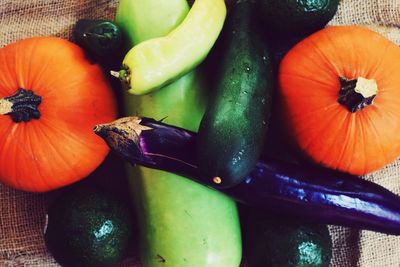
[{"x": 115, "y": 133}]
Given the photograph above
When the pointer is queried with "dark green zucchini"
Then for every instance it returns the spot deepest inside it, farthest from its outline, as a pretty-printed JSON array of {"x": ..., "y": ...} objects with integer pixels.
[{"x": 233, "y": 128}]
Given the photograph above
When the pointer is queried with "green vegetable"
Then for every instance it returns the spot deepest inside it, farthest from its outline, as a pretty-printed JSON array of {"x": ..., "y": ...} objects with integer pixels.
[
  {"x": 234, "y": 126},
  {"x": 182, "y": 223},
  {"x": 156, "y": 62},
  {"x": 101, "y": 38},
  {"x": 296, "y": 17},
  {"x": 88, "y": 227},
  {"x": 273, "y": 243},
  {"x": 130, "y": 14}
]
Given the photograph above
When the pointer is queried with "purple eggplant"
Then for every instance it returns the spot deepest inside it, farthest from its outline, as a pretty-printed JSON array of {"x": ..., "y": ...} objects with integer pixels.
[{"x": 307, "y": 193}]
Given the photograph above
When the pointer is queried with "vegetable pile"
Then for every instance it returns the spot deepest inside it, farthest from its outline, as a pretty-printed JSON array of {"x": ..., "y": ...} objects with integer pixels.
[
  {"x": 177, "y": 225},
  {"x": 201, "y": 86}
]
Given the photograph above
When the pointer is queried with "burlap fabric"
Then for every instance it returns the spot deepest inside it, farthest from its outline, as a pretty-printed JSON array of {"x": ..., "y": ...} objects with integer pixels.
[{"x": 23, "y": 214}]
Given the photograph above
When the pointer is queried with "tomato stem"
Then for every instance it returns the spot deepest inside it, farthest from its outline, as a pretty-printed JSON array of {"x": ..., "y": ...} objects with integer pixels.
[
  {"x": 22, "y": 106},
  {"x": 357, "y": 94}
]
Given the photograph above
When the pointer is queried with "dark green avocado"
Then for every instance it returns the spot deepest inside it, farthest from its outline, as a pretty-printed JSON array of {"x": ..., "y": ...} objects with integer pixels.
[
  {"x": 101, "y": 38},
  {"x": 296, "y": 17},
  {"x": 88, "y": 227},
  {"x": 273, "y": 243}
]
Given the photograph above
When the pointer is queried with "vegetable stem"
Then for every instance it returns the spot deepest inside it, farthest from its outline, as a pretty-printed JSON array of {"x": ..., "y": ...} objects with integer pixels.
[
  {"x": 357, "y": 94},
  {"x": 5, "y": 106},
  {"x": 22, "y": 106},
  {"x": 123, "y": 75},
  {"x": 115, "y": 73}
]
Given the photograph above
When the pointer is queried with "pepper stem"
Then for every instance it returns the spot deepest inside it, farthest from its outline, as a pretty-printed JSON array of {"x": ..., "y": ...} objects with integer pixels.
[
  {"x": 22, "y": 106},
  {"x": 358, "y": 93},
  {"x": 124, "y": 76}
]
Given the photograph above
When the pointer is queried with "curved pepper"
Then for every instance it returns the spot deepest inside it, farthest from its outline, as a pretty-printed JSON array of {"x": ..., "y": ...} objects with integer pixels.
[{"x": 154, "y": 63}]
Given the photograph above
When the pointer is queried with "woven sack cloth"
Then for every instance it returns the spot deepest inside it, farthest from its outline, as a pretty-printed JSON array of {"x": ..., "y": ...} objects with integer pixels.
[{"x": 23, "y": 214}]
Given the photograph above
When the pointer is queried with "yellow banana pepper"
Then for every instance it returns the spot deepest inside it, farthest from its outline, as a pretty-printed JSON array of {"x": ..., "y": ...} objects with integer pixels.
[{"x": 154, "y": 63}]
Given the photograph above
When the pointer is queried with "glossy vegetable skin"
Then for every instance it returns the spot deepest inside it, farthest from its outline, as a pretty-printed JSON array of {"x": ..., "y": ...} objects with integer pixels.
[
  {"x": 88, "y": 227},
  {"x": 309, "y": 193},
  {"x": 296, "y": 17},
  {"x": 176, "y": 224},
  {"x": 156, "y": 62},
  {"x": 276, "y": 242},
  {"x": 233, "y": 128}
]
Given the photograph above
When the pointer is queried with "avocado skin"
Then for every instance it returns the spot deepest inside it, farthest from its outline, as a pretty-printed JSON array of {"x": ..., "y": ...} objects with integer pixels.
[
  {"x": 277, "y": 243},
  {"x": 88, "y": 227},
  {"x": 296, "y": 17}
]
